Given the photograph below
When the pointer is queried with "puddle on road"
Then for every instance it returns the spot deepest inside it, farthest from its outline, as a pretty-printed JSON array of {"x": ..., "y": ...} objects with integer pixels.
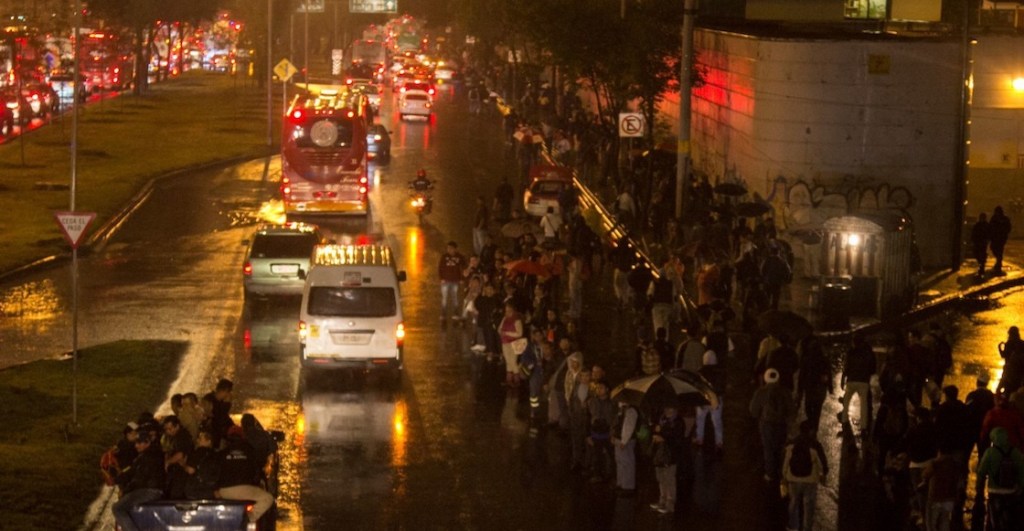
[{"x": 31, "y": 301}]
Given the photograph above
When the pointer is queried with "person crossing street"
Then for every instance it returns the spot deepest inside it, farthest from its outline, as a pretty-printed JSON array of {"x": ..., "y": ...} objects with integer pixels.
[{"x": 450, "y": 270}]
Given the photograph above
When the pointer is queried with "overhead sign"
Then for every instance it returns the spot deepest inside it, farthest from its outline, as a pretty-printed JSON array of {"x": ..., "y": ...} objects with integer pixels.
[
  {"x": 285, "y": 70},
  {"x": 631, "y": 124},
  {"x": 372, "y": 6},
  {"x": 74, "y": 224},
  {"x": 310, "y": 6}
]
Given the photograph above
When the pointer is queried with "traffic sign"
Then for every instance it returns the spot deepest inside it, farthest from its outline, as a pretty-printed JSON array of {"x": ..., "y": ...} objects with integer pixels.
[
  {"x": 285, "y": 70},
  {"x": 372, "y": 6},
  {"x": 74, "y": 224},
  {"x": 631, "y": 124},
  {"x": 310, "y": 6}
]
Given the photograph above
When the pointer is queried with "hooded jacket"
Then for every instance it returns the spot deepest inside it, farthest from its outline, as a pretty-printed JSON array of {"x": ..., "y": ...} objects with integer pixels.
[{"x": 988, "y": 467}]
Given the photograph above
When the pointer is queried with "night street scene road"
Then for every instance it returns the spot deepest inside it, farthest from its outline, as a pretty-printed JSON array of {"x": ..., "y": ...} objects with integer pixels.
[{"x": 478, "y": 264}]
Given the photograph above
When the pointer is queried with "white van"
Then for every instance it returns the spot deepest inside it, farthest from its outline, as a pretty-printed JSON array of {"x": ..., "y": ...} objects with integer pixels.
[{"x": 351, "y": 315}]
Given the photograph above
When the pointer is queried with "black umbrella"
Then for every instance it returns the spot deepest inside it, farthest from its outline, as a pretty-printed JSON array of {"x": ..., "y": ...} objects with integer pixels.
[
  {"x": 676, "y": 388},
  {"x": 730, "y": 189},
  {"x": 784, "y": 322},
  {"x": 752, "y": 210}
]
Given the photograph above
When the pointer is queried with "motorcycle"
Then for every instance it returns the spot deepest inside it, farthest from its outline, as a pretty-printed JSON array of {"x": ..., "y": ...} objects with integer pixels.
[{"x": 421, "y": 201}]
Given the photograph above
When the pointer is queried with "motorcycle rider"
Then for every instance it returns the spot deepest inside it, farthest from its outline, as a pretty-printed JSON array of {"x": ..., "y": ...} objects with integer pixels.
[{"x": 421, "y": 183}]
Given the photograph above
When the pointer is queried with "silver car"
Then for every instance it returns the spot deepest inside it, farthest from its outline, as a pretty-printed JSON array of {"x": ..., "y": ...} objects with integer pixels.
[
  {"x": 414, "y": 103},
  {"x": 278, "y": 258}
]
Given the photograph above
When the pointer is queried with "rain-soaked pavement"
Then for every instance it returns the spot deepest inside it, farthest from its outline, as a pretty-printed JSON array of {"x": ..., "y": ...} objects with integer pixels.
[{"x": 446, "y": 448}]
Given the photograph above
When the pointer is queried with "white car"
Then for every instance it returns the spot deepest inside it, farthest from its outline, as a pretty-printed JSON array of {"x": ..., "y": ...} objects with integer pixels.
[{"x": 415, "y": 103}]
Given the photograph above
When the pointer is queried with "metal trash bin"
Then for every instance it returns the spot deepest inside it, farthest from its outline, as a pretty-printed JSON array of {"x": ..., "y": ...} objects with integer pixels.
[{"x": 835, "y": 306}]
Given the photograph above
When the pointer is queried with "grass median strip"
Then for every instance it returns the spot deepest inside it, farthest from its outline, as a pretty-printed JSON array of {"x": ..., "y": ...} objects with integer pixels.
[
  {"x": 50, "y": 477},
  {"x": 198, "y": 118}
]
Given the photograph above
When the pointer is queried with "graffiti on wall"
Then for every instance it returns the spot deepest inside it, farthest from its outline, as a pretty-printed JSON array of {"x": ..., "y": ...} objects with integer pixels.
[{"x": 798, "y": 203}]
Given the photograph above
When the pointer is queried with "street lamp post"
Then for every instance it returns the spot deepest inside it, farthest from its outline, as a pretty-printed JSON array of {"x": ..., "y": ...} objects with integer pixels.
[
  {"x": 685, "y": 87},
  {"x": 76, "y": 22}
]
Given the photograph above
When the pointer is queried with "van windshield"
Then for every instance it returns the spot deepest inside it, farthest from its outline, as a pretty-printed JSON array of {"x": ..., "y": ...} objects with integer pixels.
[{"x": 330, "y": 301}]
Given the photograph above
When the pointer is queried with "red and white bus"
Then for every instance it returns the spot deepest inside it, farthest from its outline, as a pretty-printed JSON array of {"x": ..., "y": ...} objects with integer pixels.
[
  {"x": 105, "y": 63},
  {"x": 323, "y": 152}
]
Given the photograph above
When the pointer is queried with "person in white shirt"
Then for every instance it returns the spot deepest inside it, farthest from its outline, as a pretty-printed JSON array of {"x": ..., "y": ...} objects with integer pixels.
[{"x": 551, "y": 222}]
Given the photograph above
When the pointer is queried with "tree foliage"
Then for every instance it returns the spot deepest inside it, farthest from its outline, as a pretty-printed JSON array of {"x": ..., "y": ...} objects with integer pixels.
[
  {"x": 141, "y": 18},
  {"x": 621, "y": 58}
]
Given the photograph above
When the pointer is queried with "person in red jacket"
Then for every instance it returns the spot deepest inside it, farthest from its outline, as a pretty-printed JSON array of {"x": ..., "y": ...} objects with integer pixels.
[{"x": 1004, "y": 416}]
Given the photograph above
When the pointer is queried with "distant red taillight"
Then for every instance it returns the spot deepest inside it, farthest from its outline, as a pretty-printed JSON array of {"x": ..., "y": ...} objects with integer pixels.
[{"x": 247, "y": 269}]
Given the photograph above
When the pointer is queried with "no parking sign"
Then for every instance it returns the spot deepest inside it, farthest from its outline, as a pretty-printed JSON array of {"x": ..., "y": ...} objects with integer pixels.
[{"x": 631, "y": 125}]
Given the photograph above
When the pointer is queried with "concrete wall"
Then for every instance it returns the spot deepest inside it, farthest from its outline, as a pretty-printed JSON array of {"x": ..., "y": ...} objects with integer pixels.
[{"x": 820, "y": 128}]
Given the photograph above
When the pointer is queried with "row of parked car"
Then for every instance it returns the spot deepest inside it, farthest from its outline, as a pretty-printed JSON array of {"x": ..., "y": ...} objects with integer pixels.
[{"x": 32, "y": 99}]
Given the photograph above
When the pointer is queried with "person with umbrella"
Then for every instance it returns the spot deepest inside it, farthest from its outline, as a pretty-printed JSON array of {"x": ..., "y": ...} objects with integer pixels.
[
  {"x": 624, "y": 441},
  {"x": 667, "y": 451}
]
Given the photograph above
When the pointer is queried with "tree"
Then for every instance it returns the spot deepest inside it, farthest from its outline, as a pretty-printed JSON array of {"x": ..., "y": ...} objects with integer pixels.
[{"x": 137, "y": 16}]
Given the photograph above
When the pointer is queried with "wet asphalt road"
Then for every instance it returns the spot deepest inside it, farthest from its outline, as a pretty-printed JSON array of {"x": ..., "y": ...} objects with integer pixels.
[{"x": 446, "y": 448}]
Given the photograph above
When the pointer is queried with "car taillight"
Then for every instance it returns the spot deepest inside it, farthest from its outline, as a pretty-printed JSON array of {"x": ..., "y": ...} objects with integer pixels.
[
  {"x": 427, "y": 105},
  {"x": 362, "y": 190},
  {"x": 286, "y": 190},
  {"x": 297, "y": 116},
  {"x": 400, "y": 334},
  {"x": 362, "y": 180},
  {"x": 247, "y": 339},
  {"x": 247, "y": 269},
  {"x": 303, "y": 330},
  {"x": 431, "y": 92}
]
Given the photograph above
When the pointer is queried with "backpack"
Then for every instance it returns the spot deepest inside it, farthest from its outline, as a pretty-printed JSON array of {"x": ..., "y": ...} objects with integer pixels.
[
  {"x": 109, "y": 467},
  {"x": 1006, "y": 474},
  {"x": 801, "y": 464}
]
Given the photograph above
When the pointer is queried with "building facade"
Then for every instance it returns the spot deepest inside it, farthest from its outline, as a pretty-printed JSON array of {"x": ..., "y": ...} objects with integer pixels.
[{"x": 823, "y": 127}]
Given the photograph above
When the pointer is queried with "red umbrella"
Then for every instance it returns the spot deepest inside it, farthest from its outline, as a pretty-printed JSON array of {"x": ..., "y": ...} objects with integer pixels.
[{"x": 528, "y": 267}]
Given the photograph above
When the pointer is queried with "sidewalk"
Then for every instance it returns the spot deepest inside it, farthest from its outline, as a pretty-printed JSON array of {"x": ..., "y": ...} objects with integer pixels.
[{"x": 937, "y": 291}]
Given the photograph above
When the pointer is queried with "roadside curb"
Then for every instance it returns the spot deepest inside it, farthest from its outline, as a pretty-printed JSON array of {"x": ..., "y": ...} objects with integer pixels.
[
  {"x": 931, "y": 308},
  {"x": 102, "y": 235}
]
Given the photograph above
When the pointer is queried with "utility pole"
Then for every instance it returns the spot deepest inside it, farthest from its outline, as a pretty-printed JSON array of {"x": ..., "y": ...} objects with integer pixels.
[
  {"x": 685, "y": 88},
  {"x": 270, "y": 73},
  {"x": 76, "y": 53}
]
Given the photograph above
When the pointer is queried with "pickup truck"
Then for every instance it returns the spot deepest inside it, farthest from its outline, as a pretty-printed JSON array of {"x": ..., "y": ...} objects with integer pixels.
[
  {"x": 212, "y": 515},
  {"x": 194, "y": 515}
]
